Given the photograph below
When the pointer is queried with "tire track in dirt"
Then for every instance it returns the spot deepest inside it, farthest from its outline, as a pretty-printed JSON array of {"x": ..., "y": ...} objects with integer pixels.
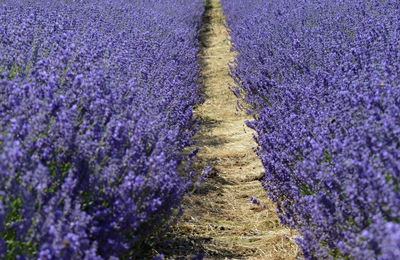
[{"x": 219, "y": 221}]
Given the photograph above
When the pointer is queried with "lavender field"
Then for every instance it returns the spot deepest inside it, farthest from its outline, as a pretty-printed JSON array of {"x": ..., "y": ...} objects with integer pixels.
[
  {"x": 322, "y": 80},
  {"x": 112, "y": 111},
  {"x": 96, "y": 107}
]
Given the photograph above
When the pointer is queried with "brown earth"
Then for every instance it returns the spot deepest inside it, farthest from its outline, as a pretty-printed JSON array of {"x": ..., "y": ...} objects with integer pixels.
[{"x": 219, "y": 221}]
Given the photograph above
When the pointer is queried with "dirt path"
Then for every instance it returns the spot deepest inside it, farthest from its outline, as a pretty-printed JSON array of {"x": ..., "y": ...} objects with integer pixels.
[{"x": 219, "y": 220}]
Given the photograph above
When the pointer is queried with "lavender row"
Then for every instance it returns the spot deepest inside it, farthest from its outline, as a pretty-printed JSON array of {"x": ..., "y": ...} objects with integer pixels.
[
  {"x": 96, "y": 103},
  {"x": 322, "y": 80}
]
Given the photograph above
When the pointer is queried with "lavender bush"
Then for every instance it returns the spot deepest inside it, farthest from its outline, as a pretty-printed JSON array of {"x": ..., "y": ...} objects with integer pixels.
[
  {"x": 322, "y": 79},
  {"x": 96, "y": 103}
]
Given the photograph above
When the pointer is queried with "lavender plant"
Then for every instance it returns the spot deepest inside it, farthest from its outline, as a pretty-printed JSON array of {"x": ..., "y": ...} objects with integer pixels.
[
  {"x": 96, "y": 103},
  {"x": 322, "y": 80}
]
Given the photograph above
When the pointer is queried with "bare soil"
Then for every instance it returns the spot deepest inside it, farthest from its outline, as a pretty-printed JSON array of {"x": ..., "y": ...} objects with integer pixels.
[{"x": 219, "y": 221}]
